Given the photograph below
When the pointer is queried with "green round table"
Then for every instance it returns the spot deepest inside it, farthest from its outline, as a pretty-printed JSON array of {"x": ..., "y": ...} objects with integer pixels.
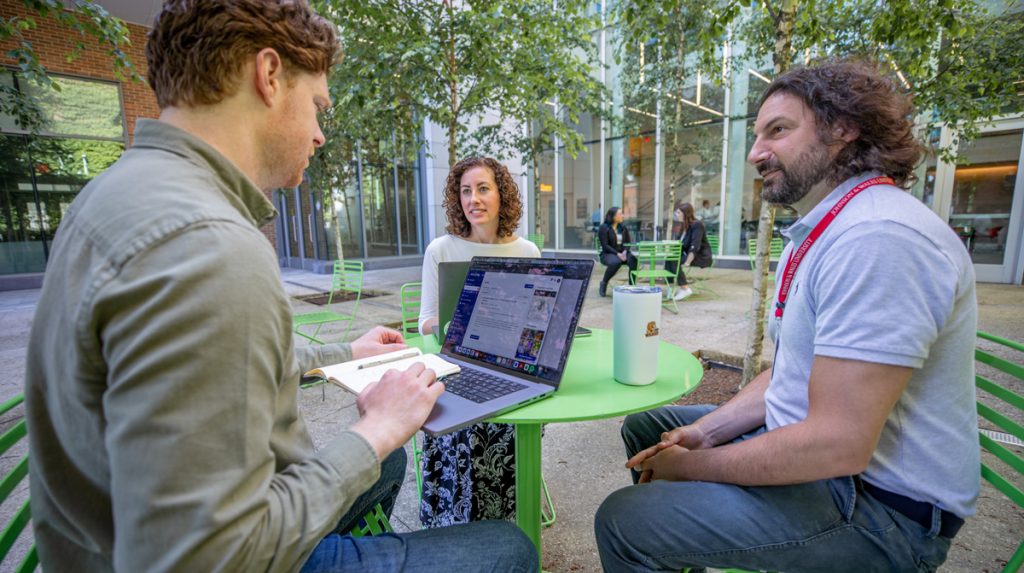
[{"x": 587, "y": 392}]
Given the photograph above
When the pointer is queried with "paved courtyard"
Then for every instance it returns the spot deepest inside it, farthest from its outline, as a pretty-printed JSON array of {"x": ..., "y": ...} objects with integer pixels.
[{"x": 582, "y": 461}]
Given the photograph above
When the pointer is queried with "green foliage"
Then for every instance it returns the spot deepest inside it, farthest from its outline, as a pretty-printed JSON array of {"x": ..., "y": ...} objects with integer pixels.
[
  {"x": 85, "y": 19},
  {"x": 960, "y": 62},
  {"x": 415, "y": 60}
]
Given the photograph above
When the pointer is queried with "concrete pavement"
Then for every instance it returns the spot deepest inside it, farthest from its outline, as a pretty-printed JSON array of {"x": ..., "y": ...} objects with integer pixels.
[{"x": 582, "y": 461}]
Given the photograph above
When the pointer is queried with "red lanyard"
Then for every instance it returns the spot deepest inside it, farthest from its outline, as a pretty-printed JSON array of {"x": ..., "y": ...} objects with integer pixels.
[{"x": 798, "y": 255}]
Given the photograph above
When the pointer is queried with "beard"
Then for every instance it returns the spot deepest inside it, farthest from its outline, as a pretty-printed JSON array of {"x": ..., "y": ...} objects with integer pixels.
[{"x": 794, "y": 182}]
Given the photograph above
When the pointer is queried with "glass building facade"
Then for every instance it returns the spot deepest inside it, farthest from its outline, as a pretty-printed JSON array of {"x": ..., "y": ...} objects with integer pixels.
[
  {"x": 691, "y": 146},
  {"x": 82, "y": 134}
]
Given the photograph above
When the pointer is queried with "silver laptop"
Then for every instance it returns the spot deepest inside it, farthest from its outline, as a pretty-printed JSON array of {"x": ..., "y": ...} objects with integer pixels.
[
  {"x": 450, "y": 278},
  {"x": 510, "y": 334}
]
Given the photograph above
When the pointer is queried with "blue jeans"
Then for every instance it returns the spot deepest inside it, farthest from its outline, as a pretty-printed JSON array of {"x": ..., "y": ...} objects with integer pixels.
[
  {"x": 481, "y": 546},
  {"x": 826, "y": 525}
]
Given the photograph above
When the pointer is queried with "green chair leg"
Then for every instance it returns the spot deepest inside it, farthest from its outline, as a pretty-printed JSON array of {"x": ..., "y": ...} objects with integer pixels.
[
  {"x": 547, "y": 508},
  {"x": 417, "y": 454}
]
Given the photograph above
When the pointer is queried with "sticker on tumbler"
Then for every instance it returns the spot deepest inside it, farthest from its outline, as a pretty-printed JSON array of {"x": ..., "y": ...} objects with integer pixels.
[{"x": 652, "y": 329}]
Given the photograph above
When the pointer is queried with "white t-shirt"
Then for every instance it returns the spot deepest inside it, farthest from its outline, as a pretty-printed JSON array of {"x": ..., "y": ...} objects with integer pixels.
[
  {"x": 449, "y": 248},
  {"x": 889, "y": 283}
]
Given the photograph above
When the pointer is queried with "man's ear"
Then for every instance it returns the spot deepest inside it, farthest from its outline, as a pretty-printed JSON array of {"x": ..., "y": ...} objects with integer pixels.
[
  {"x": 845, "y": 132},
  {"x": 269, "y": 75}
]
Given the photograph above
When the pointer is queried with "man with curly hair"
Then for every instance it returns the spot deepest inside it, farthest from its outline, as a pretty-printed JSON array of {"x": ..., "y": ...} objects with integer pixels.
[
  {"x": 162, "y": 375},
  {"x": 857, "y": 451}
]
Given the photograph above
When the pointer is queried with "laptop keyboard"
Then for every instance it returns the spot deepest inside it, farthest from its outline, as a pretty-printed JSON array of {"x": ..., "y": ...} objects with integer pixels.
[{"x": 480, "y": 386}]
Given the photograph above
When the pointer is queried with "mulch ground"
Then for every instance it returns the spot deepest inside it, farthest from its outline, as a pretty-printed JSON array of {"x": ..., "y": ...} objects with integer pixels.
[{"x": 718, "y": 385}]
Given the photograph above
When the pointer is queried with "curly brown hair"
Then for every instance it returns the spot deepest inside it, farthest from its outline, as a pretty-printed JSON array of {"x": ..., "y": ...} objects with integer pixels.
[
  {"x": 854, "y": 93},
  {"x": 196, "y": 48},
  {"x": 511, "y": 202}
]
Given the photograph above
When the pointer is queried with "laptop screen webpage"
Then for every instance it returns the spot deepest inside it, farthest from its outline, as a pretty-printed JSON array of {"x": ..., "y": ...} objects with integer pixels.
[{"x": 517, "y": 314}]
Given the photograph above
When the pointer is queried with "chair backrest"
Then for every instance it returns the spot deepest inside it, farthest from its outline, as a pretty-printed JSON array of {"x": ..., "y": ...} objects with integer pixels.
[
  {"x": 411, "y": 296},
  {"x": 10, "y": 482},
  {"x": 348, "y": 276},
  {"x": 536, "y": 239},
  {"x": 1001, "y": 407},
  {"x": 660, "y": 251},
  {"x": 713, "y": 243},
  {"x": 774, "y": 250}
]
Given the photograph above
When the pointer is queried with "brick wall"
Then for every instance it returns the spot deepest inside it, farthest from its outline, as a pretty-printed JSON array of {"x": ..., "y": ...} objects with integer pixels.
[{"x": 53, "y": 43}]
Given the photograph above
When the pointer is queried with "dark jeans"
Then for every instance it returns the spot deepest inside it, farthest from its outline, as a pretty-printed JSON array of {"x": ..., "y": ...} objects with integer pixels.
[
  {"x": 612, "y": 264},
  {"x": 480, "y": 546},
  {"x": 825, "y": 525}
]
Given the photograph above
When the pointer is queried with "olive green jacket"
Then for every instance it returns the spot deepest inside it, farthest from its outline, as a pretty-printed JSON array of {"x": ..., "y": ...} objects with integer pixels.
[{"x": 162, "y": 380}]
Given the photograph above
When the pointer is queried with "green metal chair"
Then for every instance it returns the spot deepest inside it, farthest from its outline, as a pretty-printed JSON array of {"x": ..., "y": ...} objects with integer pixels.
[
  {"x": 348, "y": 278},
  {"x": 713, "y": 243},
  {"x": 654, "y": 254},
  {"x": 1003, "y": 405},
  {"x": 19, "y": 521},
  {"x": 536, "y": 239},
  {"x": 411, "y": 294},
  {"x": 373, "y": 523},
  {"x": 774, "y": 253}
]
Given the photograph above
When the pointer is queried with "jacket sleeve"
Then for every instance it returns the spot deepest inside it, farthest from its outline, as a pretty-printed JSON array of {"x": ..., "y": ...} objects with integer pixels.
[{"x": 201, "y": 415}]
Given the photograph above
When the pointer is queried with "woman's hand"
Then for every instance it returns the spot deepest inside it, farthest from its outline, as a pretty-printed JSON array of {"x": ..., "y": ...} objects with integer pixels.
[{"x": 378, "y": 340}]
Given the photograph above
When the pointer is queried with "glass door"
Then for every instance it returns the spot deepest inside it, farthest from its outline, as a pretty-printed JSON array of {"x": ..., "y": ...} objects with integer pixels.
[{"x": 985, "y": 201}]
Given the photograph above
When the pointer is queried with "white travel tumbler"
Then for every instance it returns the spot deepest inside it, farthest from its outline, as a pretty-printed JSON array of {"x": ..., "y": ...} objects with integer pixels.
[{"x": 636, "y": 326}]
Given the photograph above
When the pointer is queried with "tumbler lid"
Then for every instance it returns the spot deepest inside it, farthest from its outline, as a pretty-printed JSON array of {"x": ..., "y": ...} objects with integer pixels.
[{"x": 636, "y": 289}]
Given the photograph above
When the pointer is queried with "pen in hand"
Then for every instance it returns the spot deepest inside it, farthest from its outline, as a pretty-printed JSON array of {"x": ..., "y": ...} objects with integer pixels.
[{"x": 386, "y": 360}]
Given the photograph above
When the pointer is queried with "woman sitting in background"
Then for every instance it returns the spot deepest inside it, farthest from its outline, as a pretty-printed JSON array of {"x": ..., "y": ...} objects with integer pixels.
[
  {"x": 696, "y": 250},
  {"x": 469, "y": 475},
  {"x": 613, "y": 238}
]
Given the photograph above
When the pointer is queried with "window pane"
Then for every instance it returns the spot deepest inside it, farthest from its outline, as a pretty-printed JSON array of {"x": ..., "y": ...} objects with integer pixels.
[
  {"x": 693, "y": 174},
  {"x": 80, "y": 108},
  {"x": 983, "y": 188},
  {"x": 407, "y": 209},
  {"x": 379, "y": 210},
  {"x": 30, "y": 212}
]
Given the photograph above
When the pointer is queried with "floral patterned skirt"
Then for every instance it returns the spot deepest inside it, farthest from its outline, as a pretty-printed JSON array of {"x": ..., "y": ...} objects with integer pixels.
[{"x": 469, "y": 475}]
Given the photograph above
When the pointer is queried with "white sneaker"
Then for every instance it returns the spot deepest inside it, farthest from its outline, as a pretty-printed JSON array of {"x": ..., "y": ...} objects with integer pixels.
[{"x": 682, "y": 293}]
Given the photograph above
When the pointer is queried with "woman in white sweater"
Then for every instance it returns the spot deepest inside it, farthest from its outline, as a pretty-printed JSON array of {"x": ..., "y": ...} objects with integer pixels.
[{"x": 469, "y": 475}]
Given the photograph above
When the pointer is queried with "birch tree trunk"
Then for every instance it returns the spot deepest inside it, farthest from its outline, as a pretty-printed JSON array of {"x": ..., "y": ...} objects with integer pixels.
[{"x": 755, "y": 339}]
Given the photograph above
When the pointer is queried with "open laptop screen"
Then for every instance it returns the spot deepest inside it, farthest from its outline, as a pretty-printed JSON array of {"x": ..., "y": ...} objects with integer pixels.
[{"x": 519, "y": 313}]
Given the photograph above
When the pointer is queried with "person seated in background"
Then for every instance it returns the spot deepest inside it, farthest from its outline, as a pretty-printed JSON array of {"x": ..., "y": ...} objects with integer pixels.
[
  {"x": 162, "y": 376},
  {"x": 469, "y": 475},
  {"x": 696, "y": 250},
  {"x": 613, "y": 237}
]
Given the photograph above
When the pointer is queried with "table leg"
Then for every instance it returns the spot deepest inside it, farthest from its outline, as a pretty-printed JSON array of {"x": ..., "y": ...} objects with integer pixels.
[{"x": 528, "y": 476}]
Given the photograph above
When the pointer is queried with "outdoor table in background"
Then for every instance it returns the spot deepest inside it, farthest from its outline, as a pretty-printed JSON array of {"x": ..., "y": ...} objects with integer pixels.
[{"x": 587, "y": 392}]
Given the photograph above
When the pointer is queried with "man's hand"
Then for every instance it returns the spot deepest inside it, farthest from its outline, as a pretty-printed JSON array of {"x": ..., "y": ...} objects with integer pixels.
[
  {"x": 378, "y": 340},
  {"x": 622, "y": 257},
  {"x": 393, "y": 408},
  {"x": 682, "y": 438},
  {"x": 663, "y": 464}
]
